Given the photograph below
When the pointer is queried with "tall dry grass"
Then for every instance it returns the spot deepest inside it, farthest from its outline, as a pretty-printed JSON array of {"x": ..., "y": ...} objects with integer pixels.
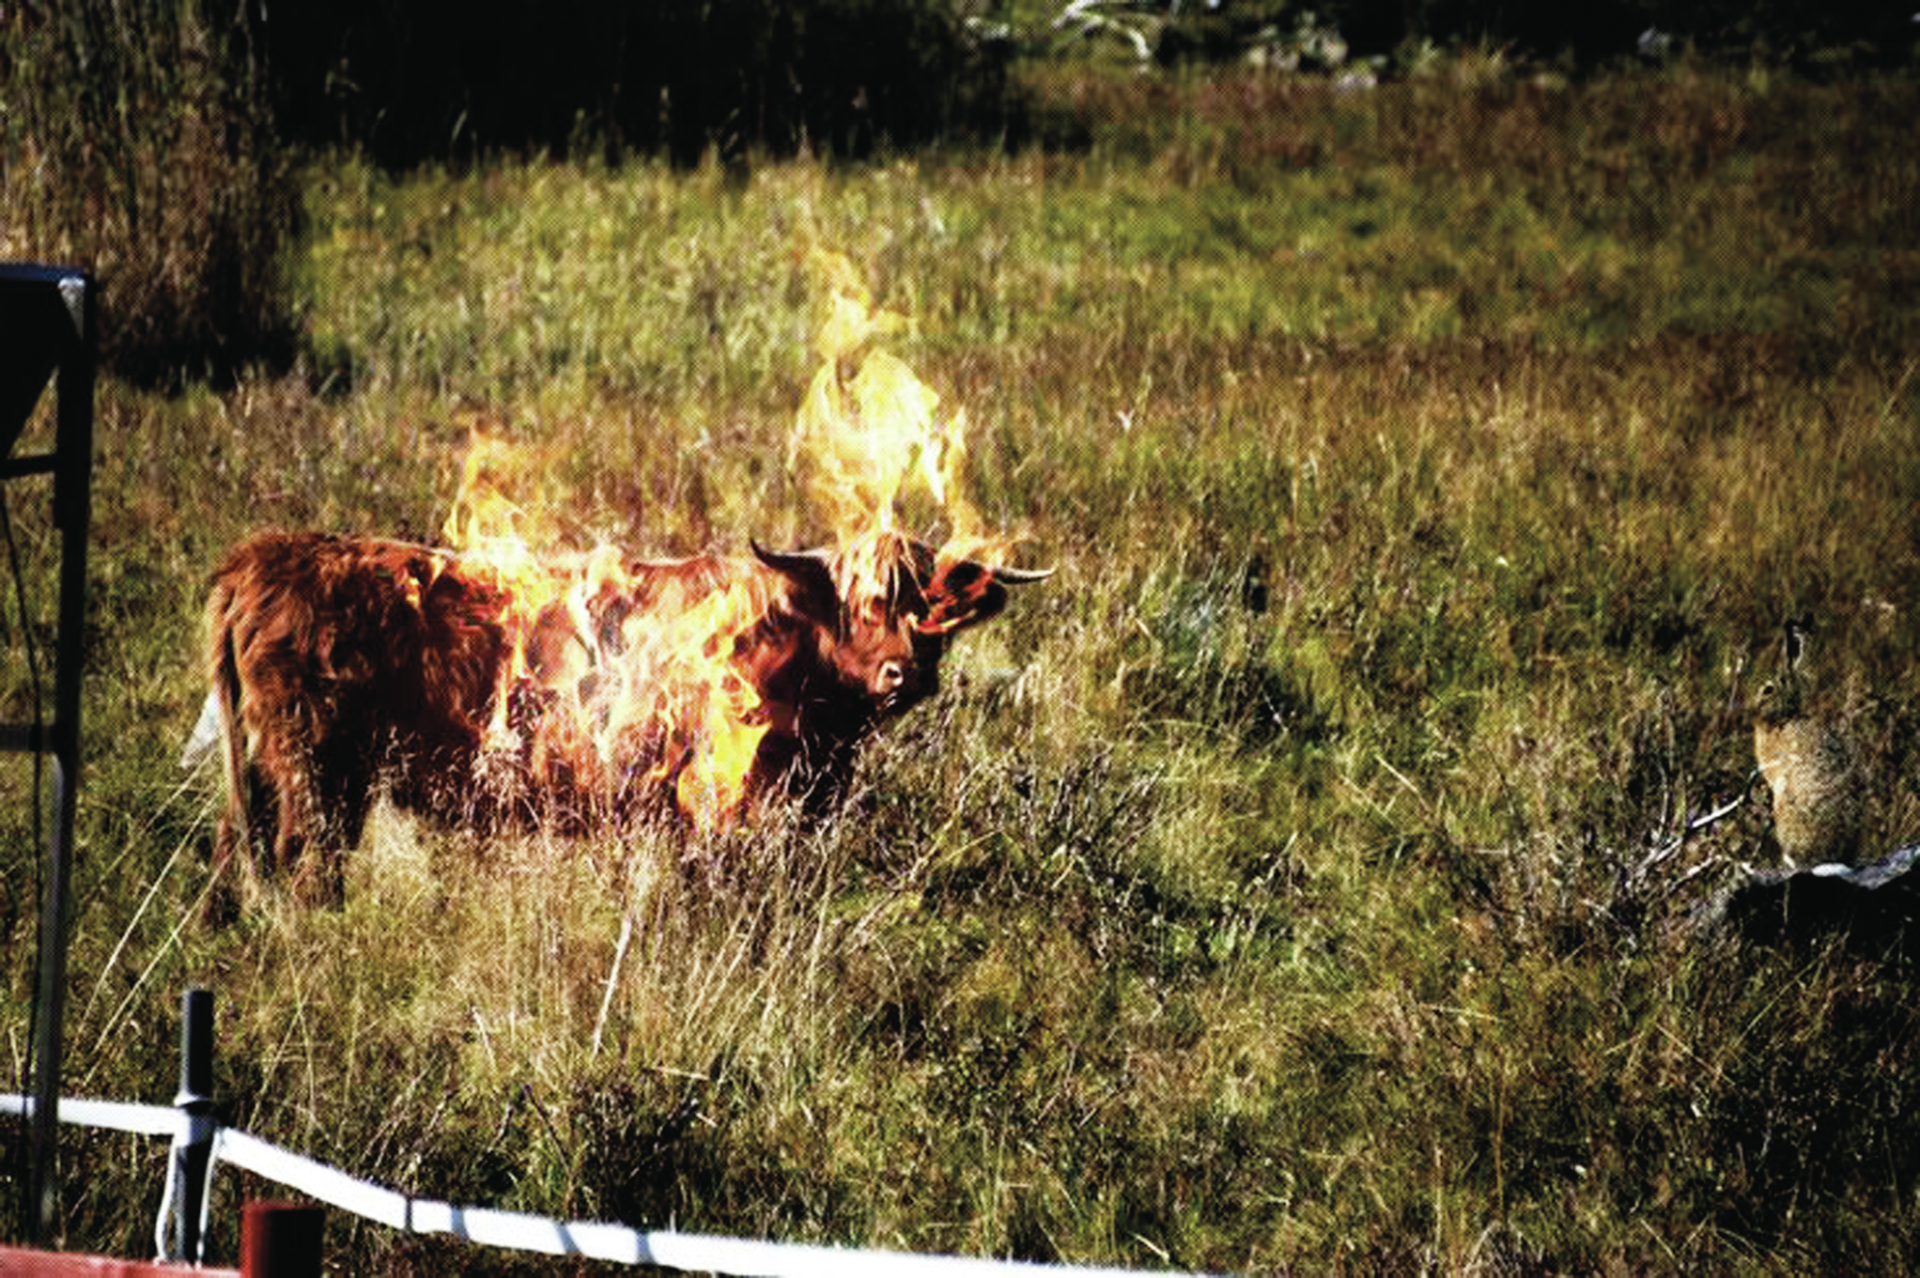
[{"x": 137, "y": 143}]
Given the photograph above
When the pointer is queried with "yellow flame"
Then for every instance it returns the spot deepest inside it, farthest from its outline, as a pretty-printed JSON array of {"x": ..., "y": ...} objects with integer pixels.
[
  {"x": 673, "y": 695},
  {"x": 676, "y": 683},
  {"x": 872, "y": 434},
  {"x": 712, "y": 786},
  {"x": 485, "y": 529}
]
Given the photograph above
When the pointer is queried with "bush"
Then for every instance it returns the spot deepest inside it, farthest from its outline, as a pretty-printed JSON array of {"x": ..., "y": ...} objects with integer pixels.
[{"x": 138, "y": 144}]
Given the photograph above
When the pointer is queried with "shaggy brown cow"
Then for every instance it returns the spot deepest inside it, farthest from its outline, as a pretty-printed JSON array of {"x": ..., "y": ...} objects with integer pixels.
[{"x": 339, "y": 662}]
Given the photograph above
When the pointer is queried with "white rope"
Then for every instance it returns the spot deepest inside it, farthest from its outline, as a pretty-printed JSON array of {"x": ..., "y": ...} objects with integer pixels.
[
  {"x": 518, "y": 1231},
  {"x": 591, "y": 1239},
  {"x": 745, "y": 1257},
  {"x": 317, "y": 1180},
  {"x": 119, "y": 1116}
]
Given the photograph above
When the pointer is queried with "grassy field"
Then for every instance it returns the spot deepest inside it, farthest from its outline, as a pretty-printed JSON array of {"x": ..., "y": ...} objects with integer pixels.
[{"x": 1427, "y": 473}]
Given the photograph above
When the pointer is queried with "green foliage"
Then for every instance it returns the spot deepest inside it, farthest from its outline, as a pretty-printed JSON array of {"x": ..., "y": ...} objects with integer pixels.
[
  {"x": 1276, "y": 887},
  {"x": 136, "y": 142}
]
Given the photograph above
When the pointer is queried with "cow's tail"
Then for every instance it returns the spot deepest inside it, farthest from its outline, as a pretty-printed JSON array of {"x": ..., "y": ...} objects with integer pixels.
[
  {"x": 220, "y": 716},
  {"x": 206, "y": 735}
]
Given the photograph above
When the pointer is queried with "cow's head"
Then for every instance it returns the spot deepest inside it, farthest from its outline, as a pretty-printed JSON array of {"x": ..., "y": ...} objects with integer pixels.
[{"x": 883, "y": 610}]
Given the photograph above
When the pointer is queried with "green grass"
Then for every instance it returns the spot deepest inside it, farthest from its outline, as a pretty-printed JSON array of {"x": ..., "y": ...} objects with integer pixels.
[{"x": 1425, "y": 473}]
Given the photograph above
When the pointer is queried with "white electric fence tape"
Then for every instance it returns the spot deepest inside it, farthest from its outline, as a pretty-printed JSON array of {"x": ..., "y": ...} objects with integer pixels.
[
  {"x": 119, "y": 1116},
  {"x": 521, "y": 1232}
]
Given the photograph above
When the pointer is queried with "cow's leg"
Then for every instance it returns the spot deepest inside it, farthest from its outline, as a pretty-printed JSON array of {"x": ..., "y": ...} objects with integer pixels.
[
  {"x": 285, "y": 767},
  {"x": 238, "y": 843},
  {"x": 343, "y": 785},
  {"x": 221, "y": 904},
  {"x": 290, "y": 836}
]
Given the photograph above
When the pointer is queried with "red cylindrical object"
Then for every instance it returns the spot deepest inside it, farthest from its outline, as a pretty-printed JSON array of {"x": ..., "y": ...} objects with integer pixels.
[{"x": 280, "y": 1240}]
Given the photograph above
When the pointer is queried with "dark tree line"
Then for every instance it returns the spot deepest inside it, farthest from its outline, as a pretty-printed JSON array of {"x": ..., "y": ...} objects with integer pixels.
[
  {"x": 427, "y": 79},
  {"x": 419, "y": 79}
]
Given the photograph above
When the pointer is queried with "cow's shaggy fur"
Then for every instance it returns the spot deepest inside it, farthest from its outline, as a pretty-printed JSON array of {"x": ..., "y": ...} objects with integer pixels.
[{"x": 338, "y": 663}]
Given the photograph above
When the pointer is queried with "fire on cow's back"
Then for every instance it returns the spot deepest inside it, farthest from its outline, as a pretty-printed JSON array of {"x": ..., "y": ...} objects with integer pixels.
[{"x": 577, "y": 690}]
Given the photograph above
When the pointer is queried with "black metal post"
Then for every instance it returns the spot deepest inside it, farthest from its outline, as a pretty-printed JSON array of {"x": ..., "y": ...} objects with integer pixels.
[
  {"x": 72, "y": 465},
  {"x": 194, "y": 1146}
]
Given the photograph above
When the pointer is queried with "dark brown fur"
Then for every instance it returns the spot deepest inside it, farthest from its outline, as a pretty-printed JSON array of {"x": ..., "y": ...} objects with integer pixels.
[{"x": 333, "y": 660}]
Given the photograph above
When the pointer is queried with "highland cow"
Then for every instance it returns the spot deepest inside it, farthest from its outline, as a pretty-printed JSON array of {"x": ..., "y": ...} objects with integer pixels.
[{"x": 340, "y": 664}]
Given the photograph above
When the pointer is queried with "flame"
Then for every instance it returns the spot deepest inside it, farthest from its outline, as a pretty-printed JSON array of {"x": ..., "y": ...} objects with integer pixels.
[
  {"x": 661, "y": 693},
  {"x": 612, "y": 678},
  {"x": 710, "y": 707},
  {"x": 484, "y": 529},
  {"x": 875, "y": 435}
]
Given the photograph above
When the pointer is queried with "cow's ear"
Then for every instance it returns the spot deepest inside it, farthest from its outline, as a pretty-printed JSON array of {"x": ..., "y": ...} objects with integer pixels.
[
  {"x": 809, "y": 575},
  {"x": 964, "y": 593}
]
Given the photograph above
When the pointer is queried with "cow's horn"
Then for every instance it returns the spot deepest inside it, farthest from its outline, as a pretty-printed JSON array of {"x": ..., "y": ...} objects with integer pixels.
[
  {"x": 1021, "y": 576},
  {"x": 789, "y": 560}
]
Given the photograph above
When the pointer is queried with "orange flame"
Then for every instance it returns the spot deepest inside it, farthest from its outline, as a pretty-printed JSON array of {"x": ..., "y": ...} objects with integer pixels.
[
  {"x": 711, "y": 704},
  {"x": 872, "y": 434},
  {"x": 665, "y": 688},
  {"x": 484, "y": 527},
  {"x": 663, "y": 691}
]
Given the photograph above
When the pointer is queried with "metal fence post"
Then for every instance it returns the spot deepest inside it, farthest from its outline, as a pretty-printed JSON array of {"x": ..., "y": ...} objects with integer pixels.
[
  {"x": 47, "y": 321},
  {"x": 193, "y": 1144}
]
